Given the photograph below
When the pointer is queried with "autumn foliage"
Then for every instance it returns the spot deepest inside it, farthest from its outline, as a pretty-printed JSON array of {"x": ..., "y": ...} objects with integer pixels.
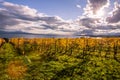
[{"x": 60, "y": 58}]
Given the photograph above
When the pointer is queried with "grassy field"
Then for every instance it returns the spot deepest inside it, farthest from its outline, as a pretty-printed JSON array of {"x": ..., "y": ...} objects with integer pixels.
[{"x": 60, "y": 59}]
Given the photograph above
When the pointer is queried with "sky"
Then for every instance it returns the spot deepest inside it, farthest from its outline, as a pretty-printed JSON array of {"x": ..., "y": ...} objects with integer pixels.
[
  {"x": 60, "y": 17},
  {"x": 55, "y": 7}
]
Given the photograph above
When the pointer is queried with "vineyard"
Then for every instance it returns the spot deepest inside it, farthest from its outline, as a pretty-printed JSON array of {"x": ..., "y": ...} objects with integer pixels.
[{"x": 60, "y": 59}]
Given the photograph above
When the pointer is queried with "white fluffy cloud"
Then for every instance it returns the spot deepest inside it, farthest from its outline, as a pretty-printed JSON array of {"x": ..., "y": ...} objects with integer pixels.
[
  {"x": 78, "y": 6},
  {"x": 95, "y": 5}
]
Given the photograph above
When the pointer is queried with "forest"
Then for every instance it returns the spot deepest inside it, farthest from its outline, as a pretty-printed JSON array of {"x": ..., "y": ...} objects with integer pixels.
[{"x": 60, "y": 58}]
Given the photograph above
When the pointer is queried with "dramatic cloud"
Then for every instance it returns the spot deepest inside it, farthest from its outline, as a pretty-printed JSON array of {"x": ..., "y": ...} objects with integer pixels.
[
  {"x": 22, "y": 12},
  {"x": 88, "y": 21},
  {"x": 95, "y": 5},
  {"x": 15, "y": 17},
  {"x": 23, "y": 19},
  {"x": 115, "y": 17}
]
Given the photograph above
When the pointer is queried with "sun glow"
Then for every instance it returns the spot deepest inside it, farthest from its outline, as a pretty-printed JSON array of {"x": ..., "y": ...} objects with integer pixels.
[{"x": 100, "y": 14}]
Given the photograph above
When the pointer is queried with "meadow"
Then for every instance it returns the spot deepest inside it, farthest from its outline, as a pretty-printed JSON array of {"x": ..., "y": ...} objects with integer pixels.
[{"x": 60, "y": 59}]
